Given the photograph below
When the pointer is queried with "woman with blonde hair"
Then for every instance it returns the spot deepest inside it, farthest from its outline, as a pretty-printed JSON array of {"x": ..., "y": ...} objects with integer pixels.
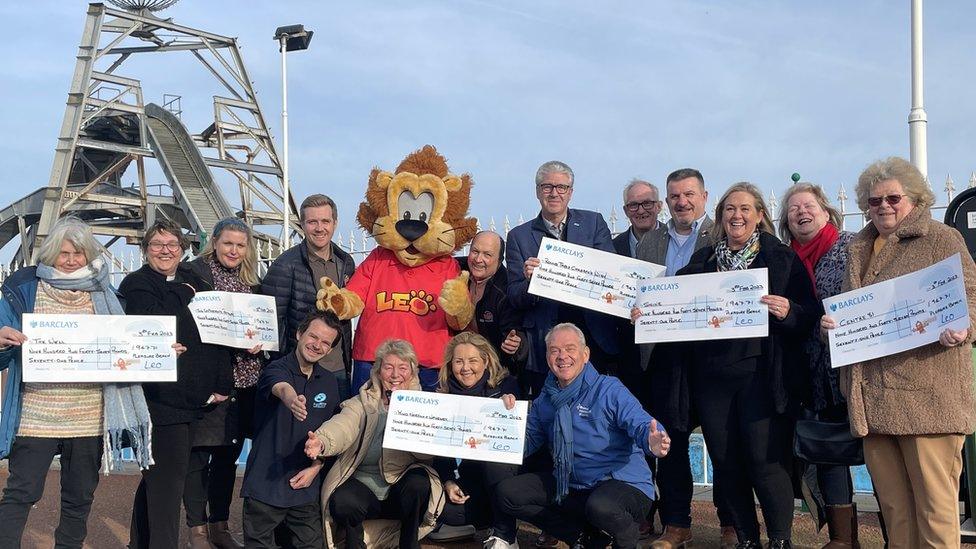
[
  {"x": 471, "y": 367},
  {"x": 812, "y": 228},
  {"x": 743, "y": 388},
  {"x": 368, "y": 481},
  {"x": 228, "y": 263}
]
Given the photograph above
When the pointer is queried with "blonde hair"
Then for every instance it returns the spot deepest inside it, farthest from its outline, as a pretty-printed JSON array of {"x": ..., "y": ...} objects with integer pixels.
[
  {"x": 69, "y": 229},
  {"x": 899, "y": 169},
  {"x": 249, "y": 267},
  {"x": 766, "y": 225},
  {"x": 399, "y": 348},
  {"x": 496, "y": 372},
  {"x": 818, "y": 193}
]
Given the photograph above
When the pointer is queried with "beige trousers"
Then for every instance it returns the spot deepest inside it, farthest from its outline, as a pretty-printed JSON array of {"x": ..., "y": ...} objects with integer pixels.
[{"x": 916, "y": 478}]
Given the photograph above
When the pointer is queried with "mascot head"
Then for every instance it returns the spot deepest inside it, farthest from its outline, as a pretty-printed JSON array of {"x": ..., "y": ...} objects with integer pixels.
[{"x": 418, "y": 212}]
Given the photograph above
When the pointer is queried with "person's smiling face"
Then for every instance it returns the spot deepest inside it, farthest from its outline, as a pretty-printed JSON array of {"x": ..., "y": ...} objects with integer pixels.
[
  {"x": 468, "y": 365},
  {"x": 566, "y": 354},
  {"x": 886, "y": 216}
]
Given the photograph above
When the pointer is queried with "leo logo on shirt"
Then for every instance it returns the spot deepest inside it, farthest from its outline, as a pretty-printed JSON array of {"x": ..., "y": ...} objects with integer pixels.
[{"x": 418, "y": 302}]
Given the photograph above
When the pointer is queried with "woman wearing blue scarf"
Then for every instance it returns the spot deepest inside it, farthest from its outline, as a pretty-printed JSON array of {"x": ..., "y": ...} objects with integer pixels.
[
  {"x": 598, "y": 435},
  {"x": 35, "y": 424}
]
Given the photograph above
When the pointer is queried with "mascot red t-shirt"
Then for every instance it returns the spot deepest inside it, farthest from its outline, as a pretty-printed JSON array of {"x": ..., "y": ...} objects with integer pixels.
[{"x": 401, "y": 302}]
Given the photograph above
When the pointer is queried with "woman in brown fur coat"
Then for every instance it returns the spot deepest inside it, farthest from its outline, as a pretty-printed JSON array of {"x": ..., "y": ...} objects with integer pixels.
[{"x": 912, "y": 408}]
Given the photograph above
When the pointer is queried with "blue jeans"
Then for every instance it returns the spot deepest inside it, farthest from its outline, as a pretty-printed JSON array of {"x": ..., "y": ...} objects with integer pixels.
[{"x": 361, "y": 369}]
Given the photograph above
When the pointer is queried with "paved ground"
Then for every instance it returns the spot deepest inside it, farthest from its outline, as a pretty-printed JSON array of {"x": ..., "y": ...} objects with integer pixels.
[{"x": 108, "y": 523}]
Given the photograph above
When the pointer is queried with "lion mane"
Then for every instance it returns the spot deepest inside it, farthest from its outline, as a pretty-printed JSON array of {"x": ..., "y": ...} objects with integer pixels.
[{"x": 419, "y": 211}]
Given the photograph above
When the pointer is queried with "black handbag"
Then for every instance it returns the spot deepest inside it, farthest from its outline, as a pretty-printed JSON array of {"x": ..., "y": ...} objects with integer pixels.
[{"x": 827, "y": 443}]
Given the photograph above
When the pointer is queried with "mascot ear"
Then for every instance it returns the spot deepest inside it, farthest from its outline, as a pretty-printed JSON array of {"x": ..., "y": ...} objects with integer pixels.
[
  {"x": 452, "y": 183},
  {"x": 383, "y": 179}
]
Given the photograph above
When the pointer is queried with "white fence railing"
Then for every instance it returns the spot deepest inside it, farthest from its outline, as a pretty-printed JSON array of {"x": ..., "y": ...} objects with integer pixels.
[{"x": 359, "y": 243}]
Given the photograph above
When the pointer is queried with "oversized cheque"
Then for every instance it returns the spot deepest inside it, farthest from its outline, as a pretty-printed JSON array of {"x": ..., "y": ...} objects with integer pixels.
[
  {"x": 457, "y": 426},
  {"x": 898, "y": 314},
  {"x": 236, "y": 319},
  {"x": 589, "y": 278},
  {"x": 99, "y": 348},
  {"x": 723, "y": 305}
]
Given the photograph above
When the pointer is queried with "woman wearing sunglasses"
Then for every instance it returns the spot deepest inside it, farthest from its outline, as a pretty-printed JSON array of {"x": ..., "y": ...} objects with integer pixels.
[{"x": 912, "y": 408}]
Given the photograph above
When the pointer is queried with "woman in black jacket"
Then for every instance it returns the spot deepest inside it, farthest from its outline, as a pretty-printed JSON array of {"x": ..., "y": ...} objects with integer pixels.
[
  {"x": 471, "y": 367},
  {"x": 164, "y": 287},
  {"x": 742, "y": 388},
  {"x": 228, "y": 263}
]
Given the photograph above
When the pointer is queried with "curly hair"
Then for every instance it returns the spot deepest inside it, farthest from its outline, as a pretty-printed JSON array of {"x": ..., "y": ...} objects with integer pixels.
[{"x": 902, "y": 171}]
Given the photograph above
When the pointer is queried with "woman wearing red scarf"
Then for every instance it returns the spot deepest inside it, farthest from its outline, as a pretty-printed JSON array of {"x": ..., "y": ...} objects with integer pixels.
[{"x": 809, "y": 224}]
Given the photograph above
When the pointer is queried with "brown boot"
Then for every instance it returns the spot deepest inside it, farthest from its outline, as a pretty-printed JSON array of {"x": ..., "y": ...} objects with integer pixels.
[
  {"x": 729, "y": 538},
  {"x": 842, "y": 525},
  {"x": 198, "y": 538},
  {"x": 674, "y": 537},
  {"x": 221, "y": 538}
]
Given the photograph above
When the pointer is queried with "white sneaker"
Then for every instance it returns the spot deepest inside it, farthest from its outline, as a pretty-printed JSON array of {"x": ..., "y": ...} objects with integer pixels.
[{"x": 495, "y": 542}]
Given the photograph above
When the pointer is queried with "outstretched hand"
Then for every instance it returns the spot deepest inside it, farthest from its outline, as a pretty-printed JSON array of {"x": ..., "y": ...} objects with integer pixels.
[
  {"x": 313, "y": 446},
  {"x": 658, "y": 440}
]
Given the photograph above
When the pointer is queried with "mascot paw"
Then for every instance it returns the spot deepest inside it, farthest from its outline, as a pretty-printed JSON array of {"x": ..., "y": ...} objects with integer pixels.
[
  {"x": 343, "y": 303},
  {"x": 456, "y": 302}
]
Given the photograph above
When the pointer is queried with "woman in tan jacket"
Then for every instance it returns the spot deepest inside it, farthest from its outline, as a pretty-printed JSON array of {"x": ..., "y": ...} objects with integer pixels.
[
  {"x": 912, "y": 408},
  {"x": 367, "y": 481}
]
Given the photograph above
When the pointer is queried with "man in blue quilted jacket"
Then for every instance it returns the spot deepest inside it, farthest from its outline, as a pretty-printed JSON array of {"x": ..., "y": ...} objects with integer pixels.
[{"x": 293, "y": 280}]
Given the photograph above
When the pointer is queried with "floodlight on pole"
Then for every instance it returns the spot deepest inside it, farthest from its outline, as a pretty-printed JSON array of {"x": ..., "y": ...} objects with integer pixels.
[{"x": 289, "y": 38}]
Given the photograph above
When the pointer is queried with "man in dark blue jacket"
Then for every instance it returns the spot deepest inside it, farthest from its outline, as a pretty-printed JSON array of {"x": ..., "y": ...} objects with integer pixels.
[
  {"x": 598, "y": 435},
  {"x": 293, "y": 280},
  {"x": 554, "y": 189}
]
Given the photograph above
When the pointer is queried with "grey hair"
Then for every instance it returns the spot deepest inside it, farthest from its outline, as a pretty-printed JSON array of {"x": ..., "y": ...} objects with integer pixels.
[
  {"x": 73, "y": 230},
  {"x": 566, "y": 326},
  {"x": 635, "y": 182},
  {"x": 398, "y": 348},
  {"x": 902, "y": 171},
  {"x": 553, "y": 166},
  {"x": 818, "y": 193}
]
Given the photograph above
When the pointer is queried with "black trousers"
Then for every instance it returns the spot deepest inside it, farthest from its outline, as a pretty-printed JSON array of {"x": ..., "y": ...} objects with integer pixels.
[
  {"x": 156, "y": 509},
  {"x": 613, "y": 507},
  {"x": 262, "y": 521},
  {"x": 750, "y": 446},
  {"x": 28, "y": 464},
  {"x": 352, "y": 503},
  {"x": 210, "y": 477},
  {"x": 479, "y": 480},
  {"x": 836, "y": 485}
]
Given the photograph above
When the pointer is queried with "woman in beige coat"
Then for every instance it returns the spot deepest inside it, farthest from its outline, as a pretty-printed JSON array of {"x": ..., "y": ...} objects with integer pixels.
[
  {"x": 912, "y": 408},
  {"x": 367, "y": 481}
]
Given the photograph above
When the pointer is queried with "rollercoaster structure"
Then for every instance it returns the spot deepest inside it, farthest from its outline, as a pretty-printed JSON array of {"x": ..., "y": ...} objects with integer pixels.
[{"x": 109, "y": 130}]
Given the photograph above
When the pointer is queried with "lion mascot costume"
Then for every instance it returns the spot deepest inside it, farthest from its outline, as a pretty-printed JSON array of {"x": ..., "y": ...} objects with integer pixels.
[{"x": 409, "y": 287}]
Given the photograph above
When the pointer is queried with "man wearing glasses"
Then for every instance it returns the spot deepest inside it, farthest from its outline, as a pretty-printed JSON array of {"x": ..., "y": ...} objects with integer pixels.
[
  {"x": 641, "y": 206},
  {"x": 554, "y": 189}
]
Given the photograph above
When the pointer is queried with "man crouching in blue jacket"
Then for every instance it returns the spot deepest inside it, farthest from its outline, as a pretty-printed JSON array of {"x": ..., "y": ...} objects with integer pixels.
[{"x": 597, "y": 434}]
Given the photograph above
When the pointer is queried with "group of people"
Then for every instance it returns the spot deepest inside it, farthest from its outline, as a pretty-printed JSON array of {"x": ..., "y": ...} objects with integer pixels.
[{"x": 607, "y": 436}]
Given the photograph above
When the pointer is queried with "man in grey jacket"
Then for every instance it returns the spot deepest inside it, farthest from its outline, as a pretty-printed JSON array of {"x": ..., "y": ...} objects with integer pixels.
[{"x": 672, "y": 245}]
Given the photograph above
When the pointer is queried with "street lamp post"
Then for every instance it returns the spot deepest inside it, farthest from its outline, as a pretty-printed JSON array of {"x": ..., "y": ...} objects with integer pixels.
[{"x": 289, "y": 38}]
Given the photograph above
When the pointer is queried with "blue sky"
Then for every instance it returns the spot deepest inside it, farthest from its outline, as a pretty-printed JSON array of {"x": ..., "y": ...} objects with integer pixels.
[{"x": 745, "y": 90}]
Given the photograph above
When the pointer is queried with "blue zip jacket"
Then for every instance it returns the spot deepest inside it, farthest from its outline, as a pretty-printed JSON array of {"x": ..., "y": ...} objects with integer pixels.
[
  {"x": 610, "y": 432},
  {"x": 19, "y": 291}
]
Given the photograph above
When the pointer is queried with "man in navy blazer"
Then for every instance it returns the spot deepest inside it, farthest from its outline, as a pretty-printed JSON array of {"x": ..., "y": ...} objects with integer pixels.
[{"x": 554, "y": 189}]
